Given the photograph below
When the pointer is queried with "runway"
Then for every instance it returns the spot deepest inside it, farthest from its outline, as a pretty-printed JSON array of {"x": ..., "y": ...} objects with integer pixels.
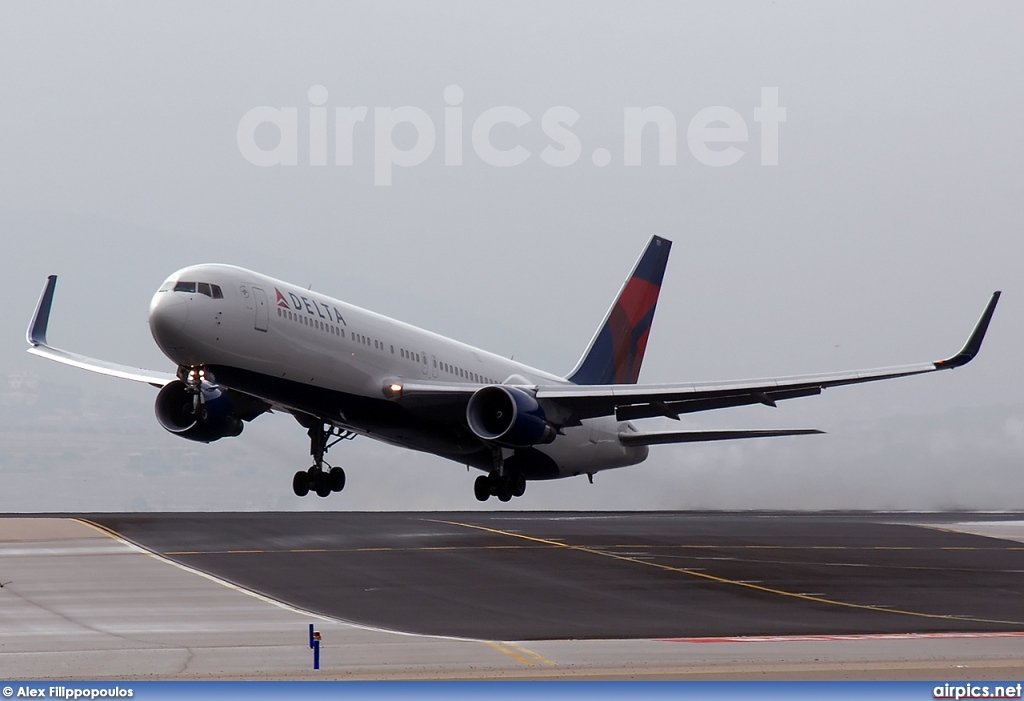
[
  {"x": 513, "y": 595},
  {"x": 570, "y": 576}
]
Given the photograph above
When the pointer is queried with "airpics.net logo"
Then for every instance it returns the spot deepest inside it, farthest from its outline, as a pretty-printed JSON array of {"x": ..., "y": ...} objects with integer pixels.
[{"x": 714, "y": 135}]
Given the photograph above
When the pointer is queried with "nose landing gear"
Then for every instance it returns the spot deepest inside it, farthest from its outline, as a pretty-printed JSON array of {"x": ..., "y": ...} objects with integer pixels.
[{"x": 321, "y": 477}]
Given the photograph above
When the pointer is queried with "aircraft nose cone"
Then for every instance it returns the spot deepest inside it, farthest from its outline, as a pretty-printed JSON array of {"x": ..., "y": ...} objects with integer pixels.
[{"x": 168, "y": 313}]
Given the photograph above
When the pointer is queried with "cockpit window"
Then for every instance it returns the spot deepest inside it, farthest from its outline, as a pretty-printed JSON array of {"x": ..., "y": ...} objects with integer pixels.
[
  {"x": 166, "y": 286},
  {"x": 203, "y": 288}
]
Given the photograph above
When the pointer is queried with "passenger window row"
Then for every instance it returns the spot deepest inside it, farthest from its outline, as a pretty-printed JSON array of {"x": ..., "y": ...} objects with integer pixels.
[
  {"x": 307, "y": 320},
  {"x": 409, "y": 355},
  {"x": 362, "y": 339},
  {"x": 367, "y": 341},
  {"x": 463, "y": 373}
]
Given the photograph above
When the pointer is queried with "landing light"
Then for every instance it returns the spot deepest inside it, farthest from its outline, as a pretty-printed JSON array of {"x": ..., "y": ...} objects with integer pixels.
[
  {"x": 395, "y": 387},
  {"x": 393, "y": 390}
]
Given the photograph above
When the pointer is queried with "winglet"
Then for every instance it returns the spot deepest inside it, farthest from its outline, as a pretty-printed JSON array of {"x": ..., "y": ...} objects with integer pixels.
[
  {"x": 973, "y": 344},
  {"x": 36, "y": 334}
]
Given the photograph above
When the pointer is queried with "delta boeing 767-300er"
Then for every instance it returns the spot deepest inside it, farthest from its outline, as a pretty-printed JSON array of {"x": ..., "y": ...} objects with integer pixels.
[{"x": 245, "y": 344}]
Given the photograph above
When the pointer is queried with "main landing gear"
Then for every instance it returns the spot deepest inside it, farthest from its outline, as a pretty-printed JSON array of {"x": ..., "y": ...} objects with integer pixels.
[
  {"x": 499, "y": 483},
  {"x": 321, "y": 477}
]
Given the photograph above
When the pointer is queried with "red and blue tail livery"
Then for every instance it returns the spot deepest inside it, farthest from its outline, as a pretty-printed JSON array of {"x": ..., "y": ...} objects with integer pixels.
[{"x": 617, "y": 350}]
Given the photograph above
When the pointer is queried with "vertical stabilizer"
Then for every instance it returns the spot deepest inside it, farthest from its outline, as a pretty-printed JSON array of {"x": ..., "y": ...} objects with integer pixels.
[{"x": 617, "y": 349}]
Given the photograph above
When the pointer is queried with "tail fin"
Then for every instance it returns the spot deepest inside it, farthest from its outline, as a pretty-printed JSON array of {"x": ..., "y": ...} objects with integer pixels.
[{"x": 617, "y": 349}]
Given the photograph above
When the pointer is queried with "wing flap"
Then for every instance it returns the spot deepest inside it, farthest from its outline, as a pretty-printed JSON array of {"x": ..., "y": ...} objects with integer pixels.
[
  {"x": 666, "y": 437},
  {"x": 672, "y": 409}
]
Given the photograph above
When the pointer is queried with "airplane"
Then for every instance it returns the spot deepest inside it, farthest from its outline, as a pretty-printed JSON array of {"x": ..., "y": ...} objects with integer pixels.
[{"x": 245, "y": 344}]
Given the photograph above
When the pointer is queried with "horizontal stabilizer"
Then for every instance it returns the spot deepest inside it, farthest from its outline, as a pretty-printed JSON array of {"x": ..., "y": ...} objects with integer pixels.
[{"x": 663, "y": 437}]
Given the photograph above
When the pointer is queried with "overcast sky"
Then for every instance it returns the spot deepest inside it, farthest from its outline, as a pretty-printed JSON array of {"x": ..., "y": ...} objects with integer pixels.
[{"x": 894, "y": 211}]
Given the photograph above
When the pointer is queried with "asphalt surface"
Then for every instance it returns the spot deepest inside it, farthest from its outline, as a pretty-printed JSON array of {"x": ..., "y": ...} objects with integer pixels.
[{"x": 556, "y": 576}]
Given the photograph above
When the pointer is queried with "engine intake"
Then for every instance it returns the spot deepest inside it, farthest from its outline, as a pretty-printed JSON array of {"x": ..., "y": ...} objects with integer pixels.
[
  {"x": 212, "y": 420},
  {"x": 508, "y": 416}
]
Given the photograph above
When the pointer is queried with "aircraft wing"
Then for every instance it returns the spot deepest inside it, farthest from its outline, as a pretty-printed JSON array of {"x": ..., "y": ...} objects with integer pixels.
[
  {"x": 641, "y": 401},
  {"x": 572, "y": 403},
  {"x": 36, "y": 336}
]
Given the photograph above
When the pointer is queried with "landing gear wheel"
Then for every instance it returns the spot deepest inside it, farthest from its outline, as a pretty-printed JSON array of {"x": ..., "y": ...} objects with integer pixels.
[
  {"x": 518, "y": 486},
  {"x": 300, "y": 483},
  {"x": 336, "y": 478},
  {"x": 504, "y": 488},
  {"x": 323, "y": 485},
  {"x": 482, "y": 488}
]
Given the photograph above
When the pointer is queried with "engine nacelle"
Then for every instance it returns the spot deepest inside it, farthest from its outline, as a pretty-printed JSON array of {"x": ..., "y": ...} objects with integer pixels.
[
  {"x": 508, "y": 416},
  {"x": 212, "y": 420}
]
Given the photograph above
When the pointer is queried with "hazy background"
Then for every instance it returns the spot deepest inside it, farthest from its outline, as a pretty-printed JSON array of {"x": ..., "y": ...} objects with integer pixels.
[{"x": 894, "y": 212}]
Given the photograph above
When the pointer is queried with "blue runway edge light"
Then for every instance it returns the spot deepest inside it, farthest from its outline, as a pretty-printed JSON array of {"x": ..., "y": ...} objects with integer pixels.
[{"x": 314, "y": 642}]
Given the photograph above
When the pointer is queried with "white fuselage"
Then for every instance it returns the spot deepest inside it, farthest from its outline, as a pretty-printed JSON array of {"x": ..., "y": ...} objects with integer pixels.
[{"x": 302, "y": 344}]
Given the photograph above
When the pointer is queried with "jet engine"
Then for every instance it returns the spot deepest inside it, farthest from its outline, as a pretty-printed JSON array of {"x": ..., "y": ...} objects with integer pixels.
[
  {"x": 508, "y": 416},
  {"x": 205, "y": 416}
]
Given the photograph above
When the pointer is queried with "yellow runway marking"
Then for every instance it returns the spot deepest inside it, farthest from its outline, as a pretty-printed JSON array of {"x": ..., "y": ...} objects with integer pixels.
[
  {"x": 102, "y": 529},
  {"x": 511, "y": 653},
  {"x": 520, "y": 654},
  {"x": 531, "y": 653},
  {"x": 724, "y": 580}
]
